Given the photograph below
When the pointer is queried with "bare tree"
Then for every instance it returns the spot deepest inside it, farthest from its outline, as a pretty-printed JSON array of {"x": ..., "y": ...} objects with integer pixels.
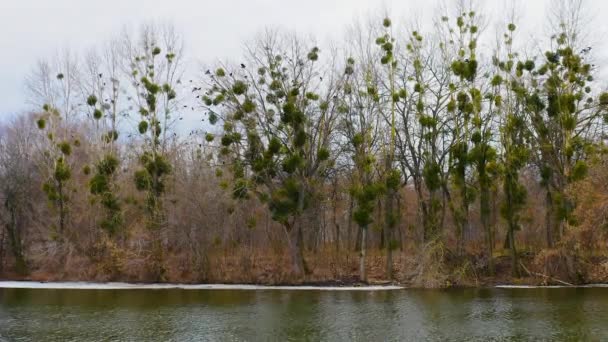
[{"x": 18, "y": 176}]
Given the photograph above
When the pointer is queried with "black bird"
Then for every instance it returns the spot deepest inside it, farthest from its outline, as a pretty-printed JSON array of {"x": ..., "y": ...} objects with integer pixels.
[
  {"x": 207, "y": 72},
  {"x": 100, "y": 75},
  {"x": 242, "y": 65}
]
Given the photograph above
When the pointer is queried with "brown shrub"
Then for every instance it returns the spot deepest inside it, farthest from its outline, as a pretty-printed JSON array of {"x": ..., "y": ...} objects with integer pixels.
[{"x": 560, "y": 264}]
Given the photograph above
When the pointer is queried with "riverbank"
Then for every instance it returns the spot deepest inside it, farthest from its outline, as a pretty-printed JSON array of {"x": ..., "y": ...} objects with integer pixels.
[
  {"x": 161, "y": 286},
  {"x": 233, "y": 287},
  {"x": 328, "y": 269}
]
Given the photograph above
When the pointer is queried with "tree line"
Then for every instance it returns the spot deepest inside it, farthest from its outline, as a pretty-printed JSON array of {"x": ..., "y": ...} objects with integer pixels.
[{"x": 395, "y": 140}]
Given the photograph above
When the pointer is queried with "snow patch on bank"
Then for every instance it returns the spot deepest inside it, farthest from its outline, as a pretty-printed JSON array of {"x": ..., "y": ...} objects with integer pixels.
[
  {"x": 131, "y": 286},
  {"x": 549, "y": 286}
]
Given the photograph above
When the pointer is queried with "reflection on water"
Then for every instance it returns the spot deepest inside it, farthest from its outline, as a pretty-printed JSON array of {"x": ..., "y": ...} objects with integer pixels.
[{"x": 230, "y": 315}]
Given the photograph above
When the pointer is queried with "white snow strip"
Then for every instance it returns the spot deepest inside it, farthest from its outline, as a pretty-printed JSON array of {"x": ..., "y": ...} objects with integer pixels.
[
  {"x": 548, "y": 286},
  {"x": 131, "y": 286}
]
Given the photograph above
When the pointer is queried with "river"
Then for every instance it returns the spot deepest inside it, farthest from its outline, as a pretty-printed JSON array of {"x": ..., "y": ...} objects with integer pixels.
[{"x": 162, "y": 314}]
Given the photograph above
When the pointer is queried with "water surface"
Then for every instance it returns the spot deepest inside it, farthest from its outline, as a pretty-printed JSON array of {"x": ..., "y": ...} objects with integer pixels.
[{"x": 558, "y": 314}]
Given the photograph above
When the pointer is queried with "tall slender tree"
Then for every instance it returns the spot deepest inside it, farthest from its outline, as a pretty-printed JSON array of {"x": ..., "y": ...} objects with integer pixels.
[
  {"x": 392, "y": 176},
  {"x": 566, "y": 113},
  {"x": 103, "y": 97},
  {"x": 57, "y": 165},
  {"x": 278, "y": 116},
  {"x": 466, "y": 107},
  {"x": 360, "y": 122},
  {"x": 155, "y": 68},
  {"x": 18, "y": 176},
  {"x": 510, "y": 97}
]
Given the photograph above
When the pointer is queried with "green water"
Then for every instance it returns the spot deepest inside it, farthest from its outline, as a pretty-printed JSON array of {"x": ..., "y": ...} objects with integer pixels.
[{"x": 227, "y": 315}]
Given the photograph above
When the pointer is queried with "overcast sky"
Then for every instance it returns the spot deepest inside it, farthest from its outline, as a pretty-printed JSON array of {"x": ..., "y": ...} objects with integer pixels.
[{"x": 31, "y": 29}]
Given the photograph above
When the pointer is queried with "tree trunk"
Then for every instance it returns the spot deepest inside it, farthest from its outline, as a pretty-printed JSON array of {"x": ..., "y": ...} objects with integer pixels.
[
  {"x": 337, "y": 226},
  {"x": 549, "y": 219},
  {"x": 358, "y": 241},
  {"x": 514, "y": 261},
  {"x": 349, "y": 227},
  {"x": 389, "y": 261},
  {"x": 431, "y": 216},
  {"x": 462, "y": 226},
  {"x": 61, "y": 209},
  {"x": 295, "y": 249},
  {"x": 484, "y": 204},
  {"x": 362, "y": 273},
  {"x": 335, "y": 215},
  {"x": 2, "y": 234},
  {"x": 460, "y": 237},
  {"x": 400, "y": 226},
  {"x": 388, "y": 230},
  {"x": 382, "y": 226},
  {"x": 296, "y": 238},
  {"x": 14, "y": 238}
]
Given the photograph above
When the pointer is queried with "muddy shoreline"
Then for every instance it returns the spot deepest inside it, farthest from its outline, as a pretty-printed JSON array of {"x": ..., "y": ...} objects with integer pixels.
[{"x": 329, "y": 285}]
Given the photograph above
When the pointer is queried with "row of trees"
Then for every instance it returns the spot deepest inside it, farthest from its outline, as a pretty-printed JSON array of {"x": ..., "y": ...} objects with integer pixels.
[
  {"x": 392, "y": 119},
  {"x": 429, "y": 111}
]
